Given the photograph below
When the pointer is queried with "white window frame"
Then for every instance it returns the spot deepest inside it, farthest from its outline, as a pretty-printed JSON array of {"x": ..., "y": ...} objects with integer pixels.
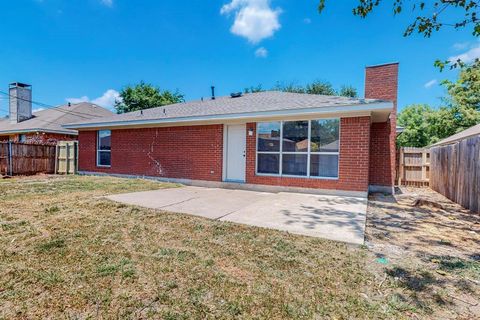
[
  {"x": 308, "y": 152},
  {"x": 99, "y": 150}
]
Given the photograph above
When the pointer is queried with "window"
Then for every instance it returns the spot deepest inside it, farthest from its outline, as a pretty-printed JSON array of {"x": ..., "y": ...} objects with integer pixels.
[
  {"x": 308, "y": 148},
  {"x": 104, "y": 146},
  {"x": 22, "y": 138},
  {"x": 268, "y": 147}
]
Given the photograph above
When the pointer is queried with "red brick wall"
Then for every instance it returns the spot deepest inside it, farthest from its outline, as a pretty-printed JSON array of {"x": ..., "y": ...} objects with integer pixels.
[
  {"x": 353, "y": 162},
  {"x": 381, "y": 82},
  {"x": 193, "y": 152}
]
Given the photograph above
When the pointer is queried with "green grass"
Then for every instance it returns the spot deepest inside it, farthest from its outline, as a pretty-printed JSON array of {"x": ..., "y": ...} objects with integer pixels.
[{"x": 66, "y": 252}]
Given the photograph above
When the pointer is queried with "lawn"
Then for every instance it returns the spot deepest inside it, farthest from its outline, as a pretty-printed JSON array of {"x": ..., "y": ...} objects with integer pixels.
[{"x": 67, "y": 252}]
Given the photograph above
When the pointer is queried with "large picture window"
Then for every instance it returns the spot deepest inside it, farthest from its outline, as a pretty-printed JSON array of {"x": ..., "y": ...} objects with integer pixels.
[
  {"x": 104, "y": 147},
  {"x": 308, "y": 148}
]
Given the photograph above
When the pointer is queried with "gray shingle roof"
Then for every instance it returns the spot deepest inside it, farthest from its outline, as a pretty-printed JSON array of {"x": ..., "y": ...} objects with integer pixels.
[
  {"x": 52, "y": 120},
  {"x": 248, "y": 103},
  {"x": 472, "y": 131}
]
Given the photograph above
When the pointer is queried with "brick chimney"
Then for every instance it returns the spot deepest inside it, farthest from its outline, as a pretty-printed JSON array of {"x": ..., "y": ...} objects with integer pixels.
[
  {"x": 381, "y": 82},
  {"x": 20, "y": 102}
]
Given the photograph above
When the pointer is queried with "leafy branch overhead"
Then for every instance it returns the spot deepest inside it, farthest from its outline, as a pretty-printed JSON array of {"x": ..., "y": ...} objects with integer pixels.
[{"x": 430, "y": 14}]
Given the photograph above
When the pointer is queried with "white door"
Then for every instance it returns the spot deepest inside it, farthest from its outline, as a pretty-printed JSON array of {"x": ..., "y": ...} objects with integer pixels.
[{"x": 235, "y": 152}]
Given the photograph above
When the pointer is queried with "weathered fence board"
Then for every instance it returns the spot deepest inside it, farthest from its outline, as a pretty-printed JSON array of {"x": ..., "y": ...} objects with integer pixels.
[
  {"x": 26, "y": 159},
  {"x": 455, "y": 172},
  {"x": 413, "y": 166}
]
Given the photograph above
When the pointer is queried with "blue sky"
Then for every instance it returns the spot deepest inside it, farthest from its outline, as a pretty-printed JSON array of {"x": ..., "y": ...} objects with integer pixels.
[{"x": 89, "y": 49}]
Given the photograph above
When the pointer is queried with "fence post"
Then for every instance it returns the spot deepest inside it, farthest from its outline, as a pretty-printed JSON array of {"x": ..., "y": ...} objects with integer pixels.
[
  {"x": 401, "y": 165},
  {"x": 424, "y": 163},
  {"x": 10, "y": 158},
  {"x": 56, "y": 159}
]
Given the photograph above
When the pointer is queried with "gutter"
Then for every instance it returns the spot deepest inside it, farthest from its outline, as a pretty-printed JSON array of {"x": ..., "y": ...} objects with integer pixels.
[{"x": 383, "y": 106}]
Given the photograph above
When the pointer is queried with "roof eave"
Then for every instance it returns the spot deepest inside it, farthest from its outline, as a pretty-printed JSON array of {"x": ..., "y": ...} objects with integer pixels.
[
  {"x": 69, "y": 132},
  {"x": 372, "y": 107}
]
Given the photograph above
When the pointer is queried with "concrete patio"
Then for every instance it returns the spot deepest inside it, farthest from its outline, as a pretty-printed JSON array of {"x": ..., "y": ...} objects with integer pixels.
[{"x": 339, "y": 218}]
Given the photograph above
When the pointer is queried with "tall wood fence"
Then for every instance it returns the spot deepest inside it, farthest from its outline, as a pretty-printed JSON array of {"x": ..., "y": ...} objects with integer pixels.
[
  {"x": 413, "y": 167},
  {"x": 456, "y": 172},
  {"x": 27, "y": 159}
]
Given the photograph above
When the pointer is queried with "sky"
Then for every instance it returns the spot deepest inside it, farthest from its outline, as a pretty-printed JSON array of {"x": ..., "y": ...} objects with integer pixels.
[{"x": 87, "y": 50}]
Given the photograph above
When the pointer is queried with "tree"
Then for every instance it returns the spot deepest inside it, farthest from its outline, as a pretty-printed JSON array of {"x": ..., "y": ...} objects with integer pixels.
[
  {"x": 348, "y": 91},
  {"x": 461, "y": 110},
  {"x": 254, "y": 89},
  {"x": 320, "y": 87},
  {"x": 429, "y": 14},
  {"x": 316, "y": 87},
  {"x": 465, "y": 92},
  {"x": 289, "y": 87},
  {"x": 415, "y": 120},
  {"x": 145, "y": 96}
]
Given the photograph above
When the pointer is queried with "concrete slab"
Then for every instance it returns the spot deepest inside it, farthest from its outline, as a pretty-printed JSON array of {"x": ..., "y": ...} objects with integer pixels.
[{"x": 339, "y": 218}]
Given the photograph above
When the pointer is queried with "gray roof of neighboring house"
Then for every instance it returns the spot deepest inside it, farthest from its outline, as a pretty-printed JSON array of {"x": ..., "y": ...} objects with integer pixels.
[
  {"x": 472, "y": 131},
  {"x": 260, "y": 102},
  {"x": 52, "y": 120}
]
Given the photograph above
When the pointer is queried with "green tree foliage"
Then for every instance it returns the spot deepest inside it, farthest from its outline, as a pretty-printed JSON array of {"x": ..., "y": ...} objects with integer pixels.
[
  {"x": 254, "y": 89},
  {"x": 415, "y": 120},
  {"x": 465, "y": 91},
  {"x": 320, "y": 87},
  {"x": 348, "y": 91},
  {"x": 145, "y": 96},
  {"x": 424, "y": 125},
  {"x": 316, "y": 87},
  {"x": 430, "y": 13}
]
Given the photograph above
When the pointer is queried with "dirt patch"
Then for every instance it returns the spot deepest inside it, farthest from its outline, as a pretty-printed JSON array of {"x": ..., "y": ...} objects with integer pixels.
[{"x": 427, "y": 248}]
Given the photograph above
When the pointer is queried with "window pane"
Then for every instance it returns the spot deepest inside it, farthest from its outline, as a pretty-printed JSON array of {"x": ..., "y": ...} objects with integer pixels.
[
  {"x": 325, "y": 135},
  {"x": 322, "y": 165},
  {"x": 104, "y": 158},
  {"x": 294, "y": 164},
  {"x": 295, "y": 136},
  {"x": 268, "y": 136},
  {"x": 268, "y": 163},
  {"x": 104, "y": 140}
]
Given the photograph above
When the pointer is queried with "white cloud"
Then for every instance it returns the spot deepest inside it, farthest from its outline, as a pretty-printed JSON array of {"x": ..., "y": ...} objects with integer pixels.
[
  {"x": 460, "y": 45},
  {"x": 78, "y": 100},
  {"x": 430, "y": 83},
  {"x": 107, "y": 3},
  {"x": 468, "y": 56},
  {"x": 37, "y": 109},
  {"x": 261, "y": 52},
  {"x": 254, "y": 19},
  {"x": 107, "y": 100}
]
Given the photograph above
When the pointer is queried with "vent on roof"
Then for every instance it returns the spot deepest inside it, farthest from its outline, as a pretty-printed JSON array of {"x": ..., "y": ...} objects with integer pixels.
[{"x": 236, "y": 94}]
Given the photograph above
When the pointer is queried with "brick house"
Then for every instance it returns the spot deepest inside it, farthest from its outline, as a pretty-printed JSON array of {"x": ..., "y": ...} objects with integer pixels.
[
  {"x": 44, "y": 126},
  {"x": 265, "y": 138}
]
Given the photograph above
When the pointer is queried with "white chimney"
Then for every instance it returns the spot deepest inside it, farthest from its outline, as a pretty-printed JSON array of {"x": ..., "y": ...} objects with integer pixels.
[{"x": 20, "y": 102}]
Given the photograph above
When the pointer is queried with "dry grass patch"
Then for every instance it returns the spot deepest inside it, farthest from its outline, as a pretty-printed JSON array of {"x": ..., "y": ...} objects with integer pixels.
[{"x": 66, "y": 252}]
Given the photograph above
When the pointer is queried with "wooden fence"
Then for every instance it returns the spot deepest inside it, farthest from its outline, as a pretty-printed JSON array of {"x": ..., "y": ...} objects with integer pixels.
[
  {"x": 456, "y": 172},
  {"x": 413, "y": 167},
  {"x": 27, "y": 159},
  {"x": 66, "y": 157}
]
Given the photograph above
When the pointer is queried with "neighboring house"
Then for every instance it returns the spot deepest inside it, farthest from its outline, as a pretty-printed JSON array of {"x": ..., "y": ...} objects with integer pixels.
[
  {"x": 44, "y": 126},
  {"x": 329, "y": 142}
]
